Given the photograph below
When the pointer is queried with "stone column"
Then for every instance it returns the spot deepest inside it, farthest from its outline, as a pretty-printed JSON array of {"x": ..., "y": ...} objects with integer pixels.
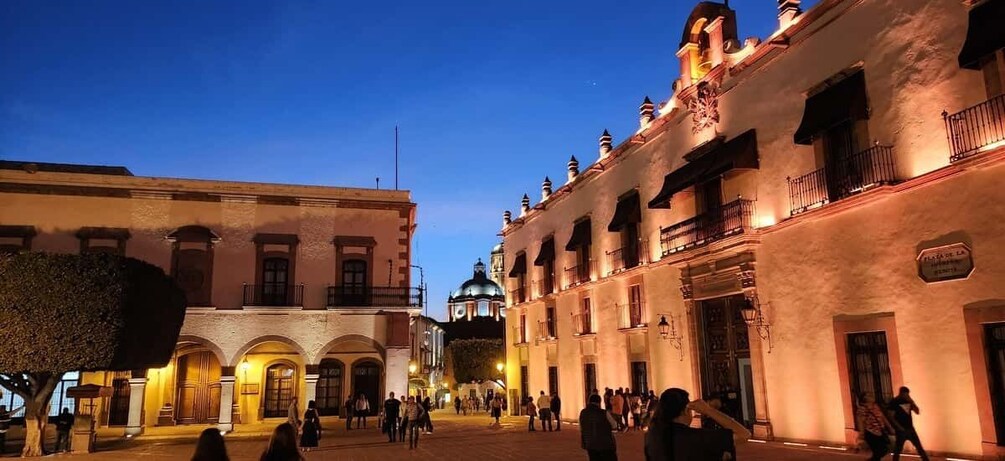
[
  {"x": 137, "y": 389},
  {"x": 715, "y": 41},
  {"x": 165, "y": 416},
  {"x": 227, "y": 379},
  {"x": 311, "y": 381},
  {"x": 396, "y": 371},
  {"x": 762, "y": 421},
  {"x": 685, "y": 56}
]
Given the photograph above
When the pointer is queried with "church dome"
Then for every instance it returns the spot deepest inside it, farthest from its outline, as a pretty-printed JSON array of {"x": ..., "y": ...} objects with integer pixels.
[{"x": 478, "y": 287}]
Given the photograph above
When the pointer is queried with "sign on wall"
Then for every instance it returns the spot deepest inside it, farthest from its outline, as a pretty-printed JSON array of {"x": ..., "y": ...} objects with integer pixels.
[{"x": 949, "y": 262}]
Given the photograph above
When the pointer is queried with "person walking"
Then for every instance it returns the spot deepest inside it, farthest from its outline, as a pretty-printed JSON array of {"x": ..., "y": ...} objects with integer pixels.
[
  {"x": 556, "y": 411},
  {"x": 415, "y": 414},
  {"x": 617, "y": 408},
  {"x": 392, "y": 411},
  {"x": 63, "y": 424},
  {"x": 636, "y": 408},
  {"x": 531, "y": 411},
  {"x": 427, "y": 420},
  {"x": 608, "y": 397},
  {"x": 595, "y": 427},
  {"x": 210, "y": 446},
  {"x": 282, "y": 445},
  {"x": 496, "y": 409},
  {"x": 626, "y": 407},
  {"x": 544, "y": 408},
  {"x": 671, "y": 437},
  {"x": 902, "y": 406},
  {"x": 310, "y": 431},
  {"x": 457, "y": 405},
  {"x": 293, "y": 413},
  {"x": 874, "y": 427},
  {"x": 362, "y": 410},
  {"x": 350, "y": 410}
]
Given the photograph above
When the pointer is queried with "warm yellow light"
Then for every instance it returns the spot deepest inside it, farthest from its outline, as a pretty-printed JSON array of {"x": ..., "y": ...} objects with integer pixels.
[
  {"x": 245, "y": 365},
  {"x": 412, "y": 367},
  {"x": 766, "y": 221},
  {"x": 499, "y": 366}
]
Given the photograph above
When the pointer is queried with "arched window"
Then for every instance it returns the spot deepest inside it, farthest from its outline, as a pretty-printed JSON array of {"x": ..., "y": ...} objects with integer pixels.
[
  {"x": 329, "y": 388},
  {"x": 483, "y": 308},
  {"x": 279, "y": 380}
]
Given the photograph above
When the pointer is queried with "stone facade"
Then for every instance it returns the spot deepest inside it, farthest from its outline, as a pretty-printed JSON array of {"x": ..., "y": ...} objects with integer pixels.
[
  {"x": 758, "y": 238},
  {"x": 294, "y": 291}
]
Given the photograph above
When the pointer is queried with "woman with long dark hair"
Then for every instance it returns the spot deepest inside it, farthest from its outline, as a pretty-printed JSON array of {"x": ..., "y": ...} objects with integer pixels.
[
  {"x": 310, "y": 432},
  {"x": 671, "y": 438},
  {"x": 282, "y": 445},
  {"x": 210, "y": 446}
]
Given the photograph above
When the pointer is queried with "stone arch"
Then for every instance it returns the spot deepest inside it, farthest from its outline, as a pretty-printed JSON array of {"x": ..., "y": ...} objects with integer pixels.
[
  {"x": 346, "y": 338},
  {"x": 203, "y": 342},
  {"x": 236, "y": 358},
  {"x": 705, "y": 12}
]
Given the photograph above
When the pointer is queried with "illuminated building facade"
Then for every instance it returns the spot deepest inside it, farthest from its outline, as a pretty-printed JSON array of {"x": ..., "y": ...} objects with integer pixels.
[
  {"x": 807, "y": 217},
  {"x": 293, "y": 291}
]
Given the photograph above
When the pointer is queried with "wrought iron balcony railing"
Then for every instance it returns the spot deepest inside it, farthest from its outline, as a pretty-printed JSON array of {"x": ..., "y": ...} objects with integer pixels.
[
  {"x": 583, "y": 324},
  {"x": 733, "y": 218},
  {"x": 274, "y": 294},
  {"x": 546, "y": 330},
  {"x": 869, "y": 168},
  {"x": 518, "y": 295},
  {"x": 546, "y": 286},
  {"x": 363, "y": 296},
  {"x": 975, "y": 129},
  {"x": 627, "y": 257},
  {"x": 578, "y": 275},
  {"x": 632, "y": 315}
]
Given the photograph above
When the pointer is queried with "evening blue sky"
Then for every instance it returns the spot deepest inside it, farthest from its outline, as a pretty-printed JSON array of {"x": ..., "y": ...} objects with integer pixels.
[{"x": 490, "y": 96}]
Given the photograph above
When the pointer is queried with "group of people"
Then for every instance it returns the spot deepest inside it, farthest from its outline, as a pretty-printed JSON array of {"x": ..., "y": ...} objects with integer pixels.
[
  {"x": 282, "y": 446},
  {"x": 407, "y": 414},
  {"x": 630, "y": 410},
  {"x": 879, "y": 425},
  {"x": 546, "y": 408},
  {"x": 474, "y": 404},
  {"x": 64, "y": 422}
]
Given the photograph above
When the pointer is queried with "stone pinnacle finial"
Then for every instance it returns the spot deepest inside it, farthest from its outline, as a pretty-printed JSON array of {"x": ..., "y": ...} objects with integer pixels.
[
  {"x": 605, "y": 144},
  {"x": 646, "y": 113},
  {"x": 507, "y": 218},
  {"x": 524, "y": 205},
  {"x": 545, "y": 189},
  {"x": 573, "y": 168}
]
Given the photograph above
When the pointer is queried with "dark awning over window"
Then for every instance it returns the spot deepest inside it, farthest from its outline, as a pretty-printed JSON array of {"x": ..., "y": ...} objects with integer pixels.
[
  {"x": 737, "y": 153},
  {"x": 519, "y": 266},
  {"x": 547, "y": 252},
  {"x": 627, "y": 212},
  {"x": 580, "y": 236},
  {"x": 985, "y": 33},
  {"x": 843, "y": 101}
]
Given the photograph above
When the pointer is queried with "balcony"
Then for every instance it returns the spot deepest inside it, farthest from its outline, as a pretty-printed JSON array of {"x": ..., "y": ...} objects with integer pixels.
[
  {"x": 518, "y": 295},
  {"x": 546, "y": 330},
  {"x": 733, "y": 218},
  {"x": 582, "y": 324},
  {"x": 362, "y": 296},
  {"x": 578, "y": 275},
  {"x": 519, "y": 336},
  {"x": 275, "y": 295},
  {"x": 862, "y": 171},
  {"x": 631, "y": 316},
  {"x": 976, "y": 129},
  {"x": 627, "y": 257},
  {"x": 546, "y": 286}
]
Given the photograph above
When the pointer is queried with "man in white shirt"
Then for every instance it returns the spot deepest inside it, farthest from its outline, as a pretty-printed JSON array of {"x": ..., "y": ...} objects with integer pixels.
[{"x": 544, "y": 409}]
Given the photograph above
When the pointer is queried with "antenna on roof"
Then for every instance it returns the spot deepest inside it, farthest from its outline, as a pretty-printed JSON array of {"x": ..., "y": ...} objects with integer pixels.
[
  {"x": 378, "y": 182},
  {"x": 395, "y": 157}
]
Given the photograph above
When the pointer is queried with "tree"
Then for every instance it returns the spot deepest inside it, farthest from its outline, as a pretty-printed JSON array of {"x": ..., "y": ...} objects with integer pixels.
[
  {"x": 475, "y": 359},
  {"x": 89, "y": 312}
]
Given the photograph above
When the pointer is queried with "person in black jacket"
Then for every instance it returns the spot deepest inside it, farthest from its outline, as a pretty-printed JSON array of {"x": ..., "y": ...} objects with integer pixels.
[
  {"x": 556, "y": 411},
  {"x": 595, "y": 426},
  {"x": 64, "y": 422}
]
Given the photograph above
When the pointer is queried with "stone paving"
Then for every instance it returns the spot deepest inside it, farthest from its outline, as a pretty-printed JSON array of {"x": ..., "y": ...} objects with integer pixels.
[{"x": 455, "y": 437}]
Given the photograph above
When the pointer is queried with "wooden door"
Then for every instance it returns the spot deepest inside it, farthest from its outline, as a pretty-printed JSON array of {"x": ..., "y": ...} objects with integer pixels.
[
  {"x": 724, "y": 341},
  {"x": 275, "y": 273},
  {"x": 279, "y": 381},
  {"x": 198, "y": 395},
  {"x": 366, "y": 380}
]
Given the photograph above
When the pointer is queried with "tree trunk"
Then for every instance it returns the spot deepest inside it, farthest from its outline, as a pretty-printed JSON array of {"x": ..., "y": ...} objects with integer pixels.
[
  {"x": 35, "y": 418},
  {"x": 36, "y": 391}
]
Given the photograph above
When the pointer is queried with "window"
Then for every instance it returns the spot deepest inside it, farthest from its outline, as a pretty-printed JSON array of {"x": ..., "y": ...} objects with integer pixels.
[
  {"x": 57, "y": 403},
  {"x": 636, "y": 306},
  {"x": 524, "y": 381},
  {"x": 580, "y": 244},
  {"x": 586, "y": 319},
  {"x": 103, "y": 240},
  {"x": 275, "y": 279},
  {"x": 550, "y": 322},
  {"x": 14, "y": 239},
  {"x": 589, "y": 380},
  {"x": 994, "y": 341},
  {"x": 522, "y": 336},
  {"x": 546, "y": 260},
  {"x": 278, "y": 390},
  {"x": 869, "y": 366},
  {"x": 192, "y": 263},
  {"x": 483, "y": 308},
  {"x": 627, "y": 216},
  {"x": 991, "y": 69},
  {"x": 519, "y": 274},
  {"x": 553, "y": 380},
  {"x": 354, "y": 279},
  {"x": 640, "y": 377},
  {"x": 329, "y": 387}
]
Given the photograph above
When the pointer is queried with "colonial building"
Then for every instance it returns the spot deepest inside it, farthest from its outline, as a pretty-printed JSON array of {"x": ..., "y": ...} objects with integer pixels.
[
  {"x": 807, "y": 217},
  {"x": 476, "y": 297},
  {"x": 425, "y": 370},
  {"x": 294, "y": 292}
]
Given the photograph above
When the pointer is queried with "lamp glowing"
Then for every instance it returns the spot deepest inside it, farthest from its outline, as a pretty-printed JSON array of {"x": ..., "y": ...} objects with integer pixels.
[
  {"x": 412, "y": 367},
  {"x": 664, "y": 327},
  {"x": 245, "y": 365},
  {"x": 749, "y": 312},
  {"x": 499, "y": 366}
]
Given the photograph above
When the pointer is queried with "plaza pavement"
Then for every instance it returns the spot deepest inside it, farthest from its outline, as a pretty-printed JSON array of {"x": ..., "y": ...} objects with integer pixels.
[{"x": 458, "y": 438}]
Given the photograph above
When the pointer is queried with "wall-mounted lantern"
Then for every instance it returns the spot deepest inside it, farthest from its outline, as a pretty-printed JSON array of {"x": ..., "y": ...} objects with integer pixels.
[
  {"x": 754, "y": 317},
  {"x": 668, "y": 331}
]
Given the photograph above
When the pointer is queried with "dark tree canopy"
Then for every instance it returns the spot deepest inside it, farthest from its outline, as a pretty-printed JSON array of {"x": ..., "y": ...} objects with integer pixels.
[
  {"x": 475, "y": 359},
  {"x": 63, "y": 312}
]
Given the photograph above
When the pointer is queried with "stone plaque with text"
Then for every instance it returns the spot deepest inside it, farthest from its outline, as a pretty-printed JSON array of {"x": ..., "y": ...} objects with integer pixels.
[{"x": 949, "y": 262}]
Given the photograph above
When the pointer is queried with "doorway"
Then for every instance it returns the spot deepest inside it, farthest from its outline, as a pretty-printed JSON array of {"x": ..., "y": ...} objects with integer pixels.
[
  {"x": 366, "y": 380},
  {"x": 118, "y": 404},
  {"x": 279, "y": 379},
  {"x": 994, "y": 341},
  {"x": 198, "y": 396},
  {"x": 725, "y": 350}
]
